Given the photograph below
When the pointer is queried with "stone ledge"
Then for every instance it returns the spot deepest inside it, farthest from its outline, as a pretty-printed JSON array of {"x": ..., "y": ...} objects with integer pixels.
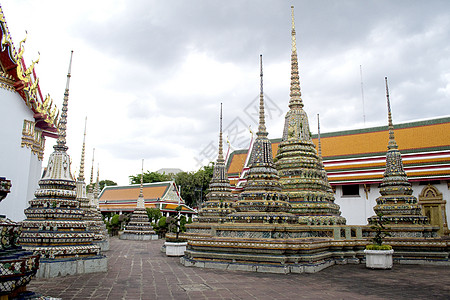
[
  {"x": 138, "y": 237},
  {"x": 260, "y": 268},
  {"x": 104, "y": 245},
  {"x": 55, "y": 268}
]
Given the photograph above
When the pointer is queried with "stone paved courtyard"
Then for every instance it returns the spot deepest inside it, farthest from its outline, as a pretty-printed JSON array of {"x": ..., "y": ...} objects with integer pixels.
[{"x": 138, "y": 270}]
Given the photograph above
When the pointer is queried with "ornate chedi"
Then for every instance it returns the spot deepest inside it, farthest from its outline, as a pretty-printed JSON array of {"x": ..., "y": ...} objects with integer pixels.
[
  {"x": 17, "y": 266},
  {"x": 261, "y": 199},
  {"x": 262, "y": 235},
  {"x": 300, "y": 168},
  {"x": 219, "y": 199},
  {"x": 139, "y": 226},
  {"x": 396, "y": 205},
  {"x": 410, "y": 235},
  {"x": 54, "y": 227},
  {"x": 92, "y": 214}
]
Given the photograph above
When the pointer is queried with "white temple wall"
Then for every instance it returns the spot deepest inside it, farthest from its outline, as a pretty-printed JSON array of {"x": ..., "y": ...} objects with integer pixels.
[
  {"x": 356, "y": 209},
  {"x": 17, "y": 164}
]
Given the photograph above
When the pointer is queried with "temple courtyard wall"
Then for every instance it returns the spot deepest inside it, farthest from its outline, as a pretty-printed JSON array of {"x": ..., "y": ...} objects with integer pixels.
[{"x": 18, "y": 163}]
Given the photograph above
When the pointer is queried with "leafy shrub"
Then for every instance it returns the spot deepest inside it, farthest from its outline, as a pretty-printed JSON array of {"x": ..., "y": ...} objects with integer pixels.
[{"x": 378, "y": 247}]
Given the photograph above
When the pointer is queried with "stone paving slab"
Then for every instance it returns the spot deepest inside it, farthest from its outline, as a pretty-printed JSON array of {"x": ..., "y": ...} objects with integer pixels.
[{"x": 138, "y": 270}]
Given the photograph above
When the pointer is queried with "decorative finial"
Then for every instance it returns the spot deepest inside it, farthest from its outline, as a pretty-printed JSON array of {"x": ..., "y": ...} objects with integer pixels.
[
  {"x": 295, "y": 94},
  {"x": 294, "y": 44},
  {"x": 392, "y": 143},
  {"x": 62, "y": 125},
  {"x": 141, "y": 191},
  {"x": 97, "y": 182},
  {"x": 83, "y": 148},
  {"x": 220, "y": 158},
  {"x": 262, "y": 123},
  {"x": 97, "y": 187},
  {"x": 92, "y": 168}
]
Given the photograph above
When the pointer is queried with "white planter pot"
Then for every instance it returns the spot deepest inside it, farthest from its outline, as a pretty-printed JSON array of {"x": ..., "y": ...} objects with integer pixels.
[
  {"x": 175, "y": 249},
  {"x": 379, "y": 259}
]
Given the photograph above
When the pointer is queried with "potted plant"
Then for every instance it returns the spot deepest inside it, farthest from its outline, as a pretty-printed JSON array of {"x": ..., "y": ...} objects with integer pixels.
[
  {"x": 379, "y": 256},
  {"x": 175, "y": 246}
]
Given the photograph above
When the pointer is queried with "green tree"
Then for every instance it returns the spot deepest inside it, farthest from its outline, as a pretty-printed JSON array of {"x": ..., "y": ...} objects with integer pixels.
[
  {"x": 154, "y": 214},
  {"x": 149, "y": 177},
  {"x": 194, "y": 185},
  {"x": 106, "y": 182}
]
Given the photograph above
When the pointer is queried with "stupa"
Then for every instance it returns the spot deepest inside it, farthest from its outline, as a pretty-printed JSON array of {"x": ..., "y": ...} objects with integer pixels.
[
  {"x": 219, "y": 199},
  {"x": 54, "y": 226},
  {"x": 139, "y": 226},
  {"x": 300, "y": 169},
  {"x": 262, "y": 236},
  {"x": 398, "y": 208},
  {"x": 261, "y": 199},
  {"x": 92, "y": 214},
  {"x": 17, "y": 266}
]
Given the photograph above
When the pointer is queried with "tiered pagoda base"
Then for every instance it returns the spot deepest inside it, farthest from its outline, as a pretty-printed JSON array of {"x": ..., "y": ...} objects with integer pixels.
[
  {"x": 97, "y": 226},
  {"x": 293, "y": 248},
  {"x": 139, "y": 227},
  {"x": 275, "y": 248},
  {"x": 103, "y": 244},
  {"x": 17, "y": 266}
]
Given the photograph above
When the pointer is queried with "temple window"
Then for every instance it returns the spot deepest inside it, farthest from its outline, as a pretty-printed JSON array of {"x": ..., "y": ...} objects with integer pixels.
[{"x": 350, "y": 190}]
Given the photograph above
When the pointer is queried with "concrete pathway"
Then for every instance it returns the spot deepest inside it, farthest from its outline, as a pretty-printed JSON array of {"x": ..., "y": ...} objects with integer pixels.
[{"x": 138, "y": 270}]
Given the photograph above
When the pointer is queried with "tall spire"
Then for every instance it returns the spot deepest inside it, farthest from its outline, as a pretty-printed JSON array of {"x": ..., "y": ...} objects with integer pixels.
[
  {"x": 295, "y": 94},
  {"x": 318, "y": 138},
  {"x": 62, "y": 125},
  {"x": 219, "y": 198},
  {"x": 92, "y": 169},
  {"x": 83, "y": 148},
  {"x": 392, "y": 143},
  {"x": 299, "y": 165},
  {"x": 262, "y": 123},
  {"x": 396, "y": 204},
  {"x": 220, "y": 158}
]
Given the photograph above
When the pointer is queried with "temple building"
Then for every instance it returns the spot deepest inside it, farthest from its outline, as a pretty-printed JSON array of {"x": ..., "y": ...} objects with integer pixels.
[
  {"x": 139, "y": 226},
  {"x": 55, "y": 226},
  {"x": 301, "y": 170},
  {"x": 27, "y": 119},
  {"x": 162, "y": 195}
]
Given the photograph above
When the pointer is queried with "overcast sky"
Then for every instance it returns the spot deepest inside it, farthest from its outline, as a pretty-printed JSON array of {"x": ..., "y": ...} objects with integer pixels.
[{"x": 150, "y": 75}]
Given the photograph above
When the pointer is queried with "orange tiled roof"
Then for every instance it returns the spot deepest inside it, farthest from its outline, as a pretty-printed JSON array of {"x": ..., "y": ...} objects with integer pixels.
[
  {"x": 359, "y": 155},
  {"x": 132, "y": 192}
]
